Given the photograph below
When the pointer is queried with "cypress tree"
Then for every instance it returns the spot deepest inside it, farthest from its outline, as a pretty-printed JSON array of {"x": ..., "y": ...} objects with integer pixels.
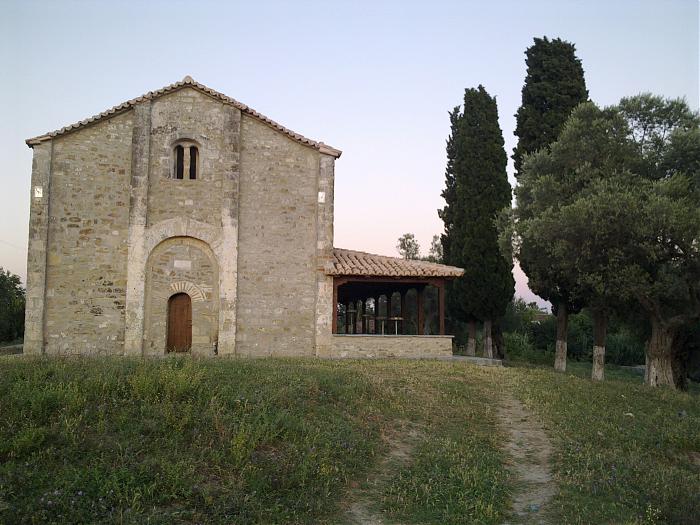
[
  {"x": 554, "y": 86},
  {"x": 476, "y": 191}
]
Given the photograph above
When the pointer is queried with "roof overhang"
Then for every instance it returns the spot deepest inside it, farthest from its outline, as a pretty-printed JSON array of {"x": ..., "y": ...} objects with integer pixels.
[{"x": 369, "y": 266}]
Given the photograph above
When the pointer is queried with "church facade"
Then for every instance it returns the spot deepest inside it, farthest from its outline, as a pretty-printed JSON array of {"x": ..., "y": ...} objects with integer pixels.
[{"x": 183, "y": 220}]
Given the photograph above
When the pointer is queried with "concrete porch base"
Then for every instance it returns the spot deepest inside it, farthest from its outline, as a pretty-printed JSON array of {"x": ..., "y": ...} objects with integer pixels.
[{"x": 382, "y": 346}]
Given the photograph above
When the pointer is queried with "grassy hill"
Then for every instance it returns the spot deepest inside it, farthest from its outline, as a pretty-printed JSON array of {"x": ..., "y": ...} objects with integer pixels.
[{"x": 300, "y": 441}]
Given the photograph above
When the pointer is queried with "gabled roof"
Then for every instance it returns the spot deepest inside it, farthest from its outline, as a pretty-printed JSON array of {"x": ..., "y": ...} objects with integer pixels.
[
  {"x": 189, "y": 83},
  {"x": 350, "y": 262}
]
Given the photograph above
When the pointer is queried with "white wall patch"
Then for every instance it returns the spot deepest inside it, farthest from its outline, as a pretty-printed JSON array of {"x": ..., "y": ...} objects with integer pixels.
[
  {"x": 182, "y": 265},
  {"x": 38, "y": 192},
  {"x": 321, "y": 197}
]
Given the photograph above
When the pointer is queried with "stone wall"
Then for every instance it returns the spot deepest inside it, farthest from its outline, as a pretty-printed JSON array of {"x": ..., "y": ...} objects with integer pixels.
[
  {"x": 379, "y": 346},
  {"x": 186, "y": 114},
  {"x": 324, "y": 255},
  {"x": 87, "y": 239},
  {"x": 277, "y": 242},
  {"x": 256, "y": 227},
  {"x": 205, "y": 209},
  {"x": 36, "y": 253}
]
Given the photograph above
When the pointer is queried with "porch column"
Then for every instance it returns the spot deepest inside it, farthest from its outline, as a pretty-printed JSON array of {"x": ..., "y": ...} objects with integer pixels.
[
  {"x": 441, "y": 305},
  {"x": 361, "y": 316},
  {"x": 403, "y": 312},
  {"x": 419, "y": 309},
  {"x": 347, "y": 318},
  {"x": 334, "y": 328},
  {"x": 376, "y": 315}
]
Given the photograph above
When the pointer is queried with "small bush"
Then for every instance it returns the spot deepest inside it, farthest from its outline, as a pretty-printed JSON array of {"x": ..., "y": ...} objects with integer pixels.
[
  {"x": 12, "y": 303},
  {"x": 519, "y": 347},
  {"x": 622, "y": 348}
]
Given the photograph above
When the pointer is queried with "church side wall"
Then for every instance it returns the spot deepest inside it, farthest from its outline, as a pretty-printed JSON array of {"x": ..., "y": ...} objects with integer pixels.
[
  {"x": 87, "y": 239},
  {"x": 277, "y": 257}
]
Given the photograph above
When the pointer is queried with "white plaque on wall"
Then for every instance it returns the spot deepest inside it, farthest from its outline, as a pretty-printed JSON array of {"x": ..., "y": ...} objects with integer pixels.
[{"x": 182, "y": 265}]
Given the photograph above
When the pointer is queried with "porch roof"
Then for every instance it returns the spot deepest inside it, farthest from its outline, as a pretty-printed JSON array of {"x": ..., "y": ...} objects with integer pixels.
[{"x": 354, "y": 263}]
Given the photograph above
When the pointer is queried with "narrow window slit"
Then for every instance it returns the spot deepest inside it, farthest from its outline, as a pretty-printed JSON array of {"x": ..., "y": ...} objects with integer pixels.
[
  {"x": 193, "y": 162},
  {"x": 180, "y": 162}
]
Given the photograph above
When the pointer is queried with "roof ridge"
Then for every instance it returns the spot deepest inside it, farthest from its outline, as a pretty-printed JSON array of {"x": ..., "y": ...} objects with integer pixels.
[{"x": 188, "y": 81}]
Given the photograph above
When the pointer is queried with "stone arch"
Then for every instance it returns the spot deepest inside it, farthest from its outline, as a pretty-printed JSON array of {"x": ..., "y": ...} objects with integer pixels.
[
  {"x": 182, "y": 227},
  {"x": 180, "y": 264},
  {"x": 188, "y": 287}
]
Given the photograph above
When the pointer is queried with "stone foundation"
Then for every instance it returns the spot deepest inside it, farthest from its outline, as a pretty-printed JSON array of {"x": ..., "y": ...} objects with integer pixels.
[{"x": 380, "y": 346}]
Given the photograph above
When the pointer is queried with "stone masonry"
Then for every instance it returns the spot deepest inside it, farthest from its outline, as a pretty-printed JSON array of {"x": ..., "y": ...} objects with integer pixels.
[
  {"x": 113, "y": 234},
  {"x": 372, "y": 346}
]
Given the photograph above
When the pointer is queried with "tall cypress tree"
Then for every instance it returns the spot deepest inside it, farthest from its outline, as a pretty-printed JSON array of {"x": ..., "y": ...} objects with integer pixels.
[
  {"x": 476, "y": 190},
  {"x": 554, "y": 86}
]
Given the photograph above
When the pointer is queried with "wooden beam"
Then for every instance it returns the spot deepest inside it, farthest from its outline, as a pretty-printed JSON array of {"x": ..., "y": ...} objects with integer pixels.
[
  {"x": 335, "y": 307},
  {"x": 376, "y": 315},
  {"x": 403, "y": 313},
  {"x": 390, "y": 279},
  {"x": 361, "y": 316},
  {"x": 347, "y": 318},
  {"x": 441, "y": 306},
  {"x": 419, "y": 309}
]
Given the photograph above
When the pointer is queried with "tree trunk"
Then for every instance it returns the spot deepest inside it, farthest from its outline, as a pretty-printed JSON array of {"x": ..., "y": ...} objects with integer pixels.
[
  {"x": 600, "y": 330},
  {"x": 663, "y": 367},
  {"x": 471, "y": 340},
  {"x": 562, "y": 333},
  {"x": 488, "y": 342},
  {"x": 499, "y": 347}
]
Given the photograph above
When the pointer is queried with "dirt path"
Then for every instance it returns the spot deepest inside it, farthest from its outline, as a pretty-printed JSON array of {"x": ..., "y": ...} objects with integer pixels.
[
  {"x": 401, "y": 441},
  {"x": 530, "y": 449}
]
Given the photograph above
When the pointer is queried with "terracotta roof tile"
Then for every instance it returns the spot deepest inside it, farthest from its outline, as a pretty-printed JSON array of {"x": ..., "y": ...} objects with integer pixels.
[
  {"x": 350, "y": 262},
  {"x": 187, "y": 82}
]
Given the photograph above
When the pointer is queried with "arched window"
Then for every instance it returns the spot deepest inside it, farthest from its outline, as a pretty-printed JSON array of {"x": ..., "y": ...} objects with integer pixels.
[{"x": 185, "y": 157}]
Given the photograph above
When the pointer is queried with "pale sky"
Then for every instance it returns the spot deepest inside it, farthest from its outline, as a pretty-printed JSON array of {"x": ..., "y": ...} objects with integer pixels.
[{"x": 375, "y": 79}]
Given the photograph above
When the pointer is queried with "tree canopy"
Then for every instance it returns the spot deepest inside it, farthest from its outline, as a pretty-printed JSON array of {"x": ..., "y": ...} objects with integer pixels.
[
  {"x": 12, "y": 300},
  {"x": 612, "y": 208},
  {"x": 408, "y": 246},
  {"x": 476, "y": 191},
  {"x": 554, "y": 86}
]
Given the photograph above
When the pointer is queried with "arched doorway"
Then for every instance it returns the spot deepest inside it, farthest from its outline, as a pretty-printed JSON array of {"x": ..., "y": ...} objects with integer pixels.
[{"x": 179, "y": 323}]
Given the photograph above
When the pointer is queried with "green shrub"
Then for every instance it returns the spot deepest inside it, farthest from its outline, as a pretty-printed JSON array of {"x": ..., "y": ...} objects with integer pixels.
[
  {"x": 623, "y": 348},
  {"x": 519, "y": 347},
  {"x": 12, "y": 303}
]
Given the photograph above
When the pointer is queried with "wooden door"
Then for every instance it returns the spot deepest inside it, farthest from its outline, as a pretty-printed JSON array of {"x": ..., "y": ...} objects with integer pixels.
[{"x": 179, "y": 323}]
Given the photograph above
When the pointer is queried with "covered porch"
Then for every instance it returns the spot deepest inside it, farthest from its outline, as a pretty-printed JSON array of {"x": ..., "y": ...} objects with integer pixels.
[{"x": 389, "y": 307}]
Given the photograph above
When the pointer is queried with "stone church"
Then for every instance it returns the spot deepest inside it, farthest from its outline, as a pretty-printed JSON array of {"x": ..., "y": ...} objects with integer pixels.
[{"x": 186, "y": 221}]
